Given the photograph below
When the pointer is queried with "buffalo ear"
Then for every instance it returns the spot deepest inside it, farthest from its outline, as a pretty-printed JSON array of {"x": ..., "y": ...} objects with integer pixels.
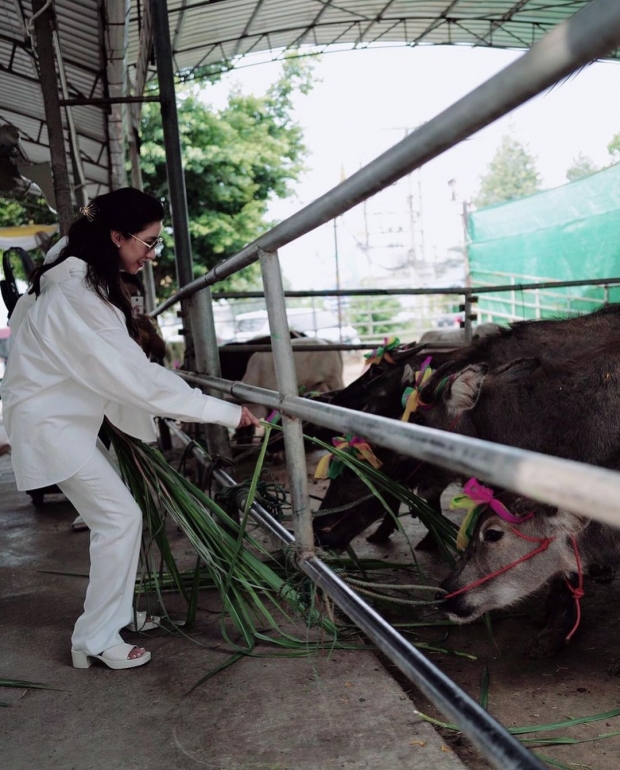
[
  {"x": 465, "y": 388},
  {"x": 564, "y": 522}
]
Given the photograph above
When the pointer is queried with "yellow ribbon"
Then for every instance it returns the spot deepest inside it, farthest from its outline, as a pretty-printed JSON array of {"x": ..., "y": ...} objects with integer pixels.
[
  {"x": 383, "y": 351},
  {"x": 464, "y": 501},
  {"x": 349, "y": 444},
  {"x": 413, "y": 399},
  {"x": 323, "y": 467}
]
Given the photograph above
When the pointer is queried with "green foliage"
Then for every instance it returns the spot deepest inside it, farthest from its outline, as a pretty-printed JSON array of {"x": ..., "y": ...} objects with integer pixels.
[
  {"x": 582, "y": 166},
  {"x": 511, "y": 174},
  {"x": 235, "y": 160},
  {"x": 14, "y": 212},
  {"x": 613, "y": 148},
  {"x": 373, "y": 316}
]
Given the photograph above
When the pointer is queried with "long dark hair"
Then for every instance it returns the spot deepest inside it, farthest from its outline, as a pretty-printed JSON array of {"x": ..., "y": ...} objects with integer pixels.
[{"x": 127, "y": 210}]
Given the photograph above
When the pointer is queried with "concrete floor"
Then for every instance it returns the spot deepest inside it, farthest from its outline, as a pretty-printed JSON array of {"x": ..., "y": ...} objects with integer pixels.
[{"x": 321, "y": 712}]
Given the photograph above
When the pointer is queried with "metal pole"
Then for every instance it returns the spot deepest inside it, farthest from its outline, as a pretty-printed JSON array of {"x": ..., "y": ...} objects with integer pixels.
[
  {"x": 172, "y": 142},
  {"x": 208, "y": 360},
  {"x": 338, "y": 285},
  {"x": 498, "y": 746},
  {"x": 78, "y": 169},
  {"x": 117, "y": 22},
  {"x": 569, "y": 485},
  {"x": 590, "y": 33},
  {"x": 465, "y": 219},
  {"x": 150, "y": 296},
  {"x": 148, "y": 276},
  {"x": 202, "y": 326},
  {"x": 44, "y": 26},
  {"x": 287, "y": 384}
]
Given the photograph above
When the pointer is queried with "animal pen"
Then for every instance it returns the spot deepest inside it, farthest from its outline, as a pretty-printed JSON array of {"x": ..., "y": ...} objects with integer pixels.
[{"x": 591, "y": 491}]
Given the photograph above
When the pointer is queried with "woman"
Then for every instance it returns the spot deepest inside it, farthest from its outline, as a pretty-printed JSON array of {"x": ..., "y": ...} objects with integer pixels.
[{"x": 75, "y": 361}]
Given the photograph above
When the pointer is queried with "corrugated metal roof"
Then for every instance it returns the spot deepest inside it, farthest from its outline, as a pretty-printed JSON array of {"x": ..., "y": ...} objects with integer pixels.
[
  {"x": 209, "y": 31},
  {"x": 21, "y": 102}
]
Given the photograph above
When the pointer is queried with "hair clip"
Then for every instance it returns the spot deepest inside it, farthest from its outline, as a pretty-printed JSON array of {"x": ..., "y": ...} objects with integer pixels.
[{"x": 89, "y": 211}]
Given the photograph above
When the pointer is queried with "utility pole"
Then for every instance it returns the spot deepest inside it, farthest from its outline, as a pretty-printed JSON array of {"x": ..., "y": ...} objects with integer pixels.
[
  {"x": 415, "y": 217},
  {"x": 338, "y": 284},
  {"x": 464, "y": 222}
]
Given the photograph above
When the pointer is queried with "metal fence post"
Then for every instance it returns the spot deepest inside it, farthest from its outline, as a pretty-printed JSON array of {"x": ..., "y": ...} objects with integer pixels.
[
  {"x": 287, "y": 386},
  {"x": 468, "y": 316},
  {"x": 202, "y": 325}
]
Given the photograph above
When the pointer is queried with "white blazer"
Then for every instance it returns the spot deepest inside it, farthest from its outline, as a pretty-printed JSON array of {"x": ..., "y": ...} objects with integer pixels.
[{"x": 72, "y": 362}]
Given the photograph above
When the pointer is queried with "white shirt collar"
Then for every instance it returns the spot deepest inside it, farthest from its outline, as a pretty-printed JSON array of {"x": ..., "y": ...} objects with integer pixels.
[{"x": 66, "y": 269}]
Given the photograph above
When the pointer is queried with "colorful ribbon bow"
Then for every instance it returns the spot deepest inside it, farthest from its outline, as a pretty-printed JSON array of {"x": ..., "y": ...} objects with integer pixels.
[
  {"x": 411, "y": 396},
  {"x": 330, "y": 466},
  {"x": 383, "y": 351},
  {"x": 273, "y": 417},
  {"x": 474, "y": 498}
]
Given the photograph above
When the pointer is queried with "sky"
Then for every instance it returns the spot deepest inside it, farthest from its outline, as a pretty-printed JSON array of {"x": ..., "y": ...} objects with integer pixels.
[{"x": 365, "y": 101}]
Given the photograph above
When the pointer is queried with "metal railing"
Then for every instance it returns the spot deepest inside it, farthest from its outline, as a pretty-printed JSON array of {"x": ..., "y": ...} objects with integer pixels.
[
  {"x": 440, "y": 308},
  {"x": 592, "y": 32}
]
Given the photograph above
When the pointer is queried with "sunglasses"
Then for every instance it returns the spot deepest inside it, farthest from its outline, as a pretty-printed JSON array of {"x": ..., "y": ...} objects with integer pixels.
[{"x": 157, "y": 245}]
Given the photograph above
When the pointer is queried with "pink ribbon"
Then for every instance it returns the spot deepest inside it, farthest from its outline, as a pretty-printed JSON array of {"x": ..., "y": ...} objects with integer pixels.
[{"x": 484, "y": 496}]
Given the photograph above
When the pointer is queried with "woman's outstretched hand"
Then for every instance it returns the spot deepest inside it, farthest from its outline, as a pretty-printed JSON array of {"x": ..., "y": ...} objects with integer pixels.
[{"x": 247, "y": 418}]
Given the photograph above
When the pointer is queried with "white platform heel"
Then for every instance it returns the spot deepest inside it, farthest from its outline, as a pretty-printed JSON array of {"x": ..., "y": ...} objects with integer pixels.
[{"x": 115, "y": 657}]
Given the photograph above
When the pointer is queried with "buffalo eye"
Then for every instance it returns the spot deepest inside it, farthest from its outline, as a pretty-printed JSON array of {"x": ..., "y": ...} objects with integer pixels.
[{"x": 493, "y": 535}]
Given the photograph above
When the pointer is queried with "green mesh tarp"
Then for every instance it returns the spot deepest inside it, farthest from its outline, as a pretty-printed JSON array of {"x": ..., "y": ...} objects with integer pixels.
[{"x": 570, "y": 233}]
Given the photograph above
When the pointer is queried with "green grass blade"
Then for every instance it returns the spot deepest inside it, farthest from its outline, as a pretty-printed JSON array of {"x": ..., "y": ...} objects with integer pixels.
[
  {"x": 556, "y": 762},
  {"x": 484, "y": 687},
  {"x": 24, "y": 683}
]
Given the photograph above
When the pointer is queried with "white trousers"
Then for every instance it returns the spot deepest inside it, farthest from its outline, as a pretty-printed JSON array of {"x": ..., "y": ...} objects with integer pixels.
[{"x": 115, "y": 521}]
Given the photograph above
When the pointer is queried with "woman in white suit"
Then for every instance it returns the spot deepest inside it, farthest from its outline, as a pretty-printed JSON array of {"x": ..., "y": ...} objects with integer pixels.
[{"x": 74, "y": 361}]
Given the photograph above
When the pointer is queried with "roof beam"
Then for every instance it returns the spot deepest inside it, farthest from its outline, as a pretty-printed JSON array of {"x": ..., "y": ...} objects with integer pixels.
[
  {"x": 378, "y": 18},
  {"x": 299, "y": 41},
  {"x": 83, "y": 101},
  {"x": 246, "y": 29}
]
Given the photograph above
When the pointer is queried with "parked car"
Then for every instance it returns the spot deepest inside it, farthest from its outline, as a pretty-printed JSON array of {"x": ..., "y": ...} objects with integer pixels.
[
  {"x": 450, "y": 320},
  {"x": 313, "y": 323}
]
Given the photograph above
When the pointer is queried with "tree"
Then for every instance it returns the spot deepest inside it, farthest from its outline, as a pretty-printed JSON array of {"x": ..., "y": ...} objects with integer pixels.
[
  {"x": 374, "y": 316},
  {"x": 511, "y": 174},
  {"x": 614, "y": 149},
  {"x": 235, "y": 160},
  {"x": 582, "y": 166},
  {"x": 25, "y": 211}
]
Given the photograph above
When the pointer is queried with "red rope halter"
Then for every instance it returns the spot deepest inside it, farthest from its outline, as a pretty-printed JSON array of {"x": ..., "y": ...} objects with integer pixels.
[{"x": 544, "y": 543}]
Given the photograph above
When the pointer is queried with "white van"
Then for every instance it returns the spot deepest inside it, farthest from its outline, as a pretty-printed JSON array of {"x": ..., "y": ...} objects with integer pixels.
[{"x": 313, "y": 323}]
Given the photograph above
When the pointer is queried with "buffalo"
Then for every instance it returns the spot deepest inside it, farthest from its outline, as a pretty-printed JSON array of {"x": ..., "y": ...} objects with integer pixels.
[{"x": 529, "y": 351}]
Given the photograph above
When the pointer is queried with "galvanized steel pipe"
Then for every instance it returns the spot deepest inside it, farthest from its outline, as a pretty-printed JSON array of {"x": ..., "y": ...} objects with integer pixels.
[
  {"x": 572, "y": 486},
  {"x": 288, "y": 386},
  {"x": 202, "y": 325}
]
